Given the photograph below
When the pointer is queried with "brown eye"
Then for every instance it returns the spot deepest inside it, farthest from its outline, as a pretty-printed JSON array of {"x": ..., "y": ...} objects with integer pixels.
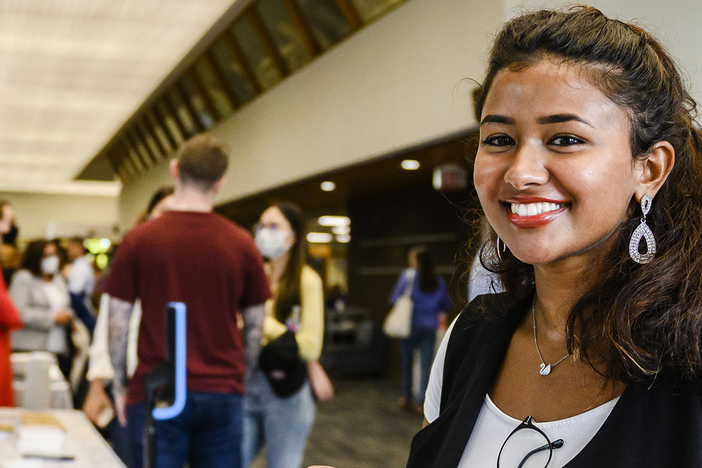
[
  {"x": 498, "y": 141},
  {"x": 566, "y": 140}
]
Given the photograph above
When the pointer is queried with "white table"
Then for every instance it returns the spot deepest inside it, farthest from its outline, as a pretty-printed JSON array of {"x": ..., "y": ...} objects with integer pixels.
[{"x": 84, "y": 443}]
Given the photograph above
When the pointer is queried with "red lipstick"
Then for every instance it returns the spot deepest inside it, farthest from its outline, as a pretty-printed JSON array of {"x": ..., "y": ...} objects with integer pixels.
[{"x": 533, "y": 221}]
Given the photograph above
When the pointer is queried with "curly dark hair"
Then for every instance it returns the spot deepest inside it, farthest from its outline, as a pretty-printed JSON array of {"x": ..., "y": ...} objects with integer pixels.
[{"x": 636, "y": 320}]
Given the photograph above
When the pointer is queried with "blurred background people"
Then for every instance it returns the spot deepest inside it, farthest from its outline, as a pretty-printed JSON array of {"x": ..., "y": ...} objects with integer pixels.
[
  {"x": 81, "y": 281},
  {"x": 7, "y": 217},
  {"x": 430, "y": 304},
  {"x": 279, "y": 414},
  {"x": 80, "y": 276},
  {"x": 98, "y": 406},
  {"x": 42, "y": 297},
  {"x": 9, "y": 319}
]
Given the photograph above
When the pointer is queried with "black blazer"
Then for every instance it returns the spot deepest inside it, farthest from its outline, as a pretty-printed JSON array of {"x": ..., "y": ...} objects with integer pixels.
[{"x": 650, "y": 426}]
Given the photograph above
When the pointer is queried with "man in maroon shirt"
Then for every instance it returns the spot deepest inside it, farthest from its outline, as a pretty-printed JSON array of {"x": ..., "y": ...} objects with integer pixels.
[{"x": 197, "y": 257}]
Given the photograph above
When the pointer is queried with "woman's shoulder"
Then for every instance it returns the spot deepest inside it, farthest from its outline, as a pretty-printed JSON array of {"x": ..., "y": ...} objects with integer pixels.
[
  {"x": 309, "y": 276},
  {"x": 22, "y": 277}
]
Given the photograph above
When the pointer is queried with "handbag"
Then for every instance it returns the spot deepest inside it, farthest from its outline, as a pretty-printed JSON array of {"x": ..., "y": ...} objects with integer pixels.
[
  {"x": 398, "y": 323},
  {"x": 280, "y": 362},
  {"x": 322, "y": 386}
]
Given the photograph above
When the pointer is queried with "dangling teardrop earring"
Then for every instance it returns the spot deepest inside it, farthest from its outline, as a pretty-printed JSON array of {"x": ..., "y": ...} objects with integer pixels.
[
  {"x": 504, "y": 248},
  {"x": 643, "y": 231}
]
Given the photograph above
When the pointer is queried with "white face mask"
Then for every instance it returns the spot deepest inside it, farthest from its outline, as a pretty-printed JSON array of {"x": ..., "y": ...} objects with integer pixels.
[
  {"x": 271, "y": 243},
  {"x": 49, "y": 265}
]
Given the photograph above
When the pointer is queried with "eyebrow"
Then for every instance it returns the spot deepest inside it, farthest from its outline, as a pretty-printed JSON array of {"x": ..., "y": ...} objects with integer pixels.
[
  {"x": 495, "y": 118},
  {"x": 549, "y": 119},
  {"x": 559, "y": 118}
]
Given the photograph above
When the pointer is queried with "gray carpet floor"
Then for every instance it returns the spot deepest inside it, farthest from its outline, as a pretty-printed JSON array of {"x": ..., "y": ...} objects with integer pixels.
[{"x": 361, "y": 428}]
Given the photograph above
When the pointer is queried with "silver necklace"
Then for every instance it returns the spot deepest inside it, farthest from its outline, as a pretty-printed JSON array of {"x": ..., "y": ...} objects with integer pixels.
[{"x": 545, "y": 368}]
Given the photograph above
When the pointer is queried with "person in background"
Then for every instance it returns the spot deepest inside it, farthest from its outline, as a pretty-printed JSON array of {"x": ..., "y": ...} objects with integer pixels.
[
  {"x": 282, "y": 423},
  {"x": 202, "y": 259},
  {"x": 9, "y": 320},
  {"x": 430, "y": 303},
  {"x": 81, "y": 281},
  {"x": 41, "y": 295},
  {"x": 9, "y": 261},
  {"x": 98, "y": 406},
  {"x": 335, "y": 299},
  {"x": 10, "y": 236}
]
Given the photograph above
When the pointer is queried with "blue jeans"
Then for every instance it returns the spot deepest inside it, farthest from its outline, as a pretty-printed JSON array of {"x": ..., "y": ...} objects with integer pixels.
[
  {"x": 206, "y": 434},
  {"x": 282, "y": 425},
  {"x": 424, "y": 339}
]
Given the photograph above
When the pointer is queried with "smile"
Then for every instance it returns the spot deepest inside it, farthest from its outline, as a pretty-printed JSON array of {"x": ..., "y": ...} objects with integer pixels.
[
  {"x": 533, "y": 209},
  {"x": 534, "y": 214}
]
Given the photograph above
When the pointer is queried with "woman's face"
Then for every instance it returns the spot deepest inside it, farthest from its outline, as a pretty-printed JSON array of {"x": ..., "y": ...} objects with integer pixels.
[
  {"x": 49, "y": 250},
  {"x": 274, "y": 235},
  {"x": 554, "y": 171}
]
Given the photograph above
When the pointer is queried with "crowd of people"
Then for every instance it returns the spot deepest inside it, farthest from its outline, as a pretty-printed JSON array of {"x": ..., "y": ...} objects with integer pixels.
[{"x": 580, "y": 346}]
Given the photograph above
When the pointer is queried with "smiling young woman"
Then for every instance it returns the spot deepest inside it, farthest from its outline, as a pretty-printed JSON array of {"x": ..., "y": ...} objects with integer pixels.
[{"x": 587, "y": 152}]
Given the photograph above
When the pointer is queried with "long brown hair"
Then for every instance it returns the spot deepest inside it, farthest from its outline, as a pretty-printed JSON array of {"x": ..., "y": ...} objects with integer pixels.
[
  {"x": 636, "y": 320},
  {"x": 288, "y": 294}
]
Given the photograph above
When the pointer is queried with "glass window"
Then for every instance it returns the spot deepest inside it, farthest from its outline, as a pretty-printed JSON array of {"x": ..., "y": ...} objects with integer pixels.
[
  {"x": 165, "y": 116},
  {"x": 192, "y": 94},
  {"x": 232, "y": 71},
  {"x": 327, "y": 21},
  {"x": 158, "y": 130},
  {"x": 371, "y": 9},
  {"x": 288, "y": 39},
  {"x": 262, "y": 65},
  {"x": 182, "y": 112},
  {"x": 213, "y": 88}
]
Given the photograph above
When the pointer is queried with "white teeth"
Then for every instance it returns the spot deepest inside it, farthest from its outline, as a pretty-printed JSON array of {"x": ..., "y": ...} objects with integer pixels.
[{"x": 532, "y": 209}]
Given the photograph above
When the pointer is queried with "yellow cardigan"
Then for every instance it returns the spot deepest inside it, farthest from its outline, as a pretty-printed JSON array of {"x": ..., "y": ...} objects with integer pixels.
[{"x": 310, "y": 334}]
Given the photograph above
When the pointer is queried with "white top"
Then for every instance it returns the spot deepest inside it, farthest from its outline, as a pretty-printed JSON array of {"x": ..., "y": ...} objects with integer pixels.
[
  {"x": 58, "y": 300},
  {"x": 493, "y": 427},
  {"x": 81, "y": 278},
  {"x": 100, "y": 366}
]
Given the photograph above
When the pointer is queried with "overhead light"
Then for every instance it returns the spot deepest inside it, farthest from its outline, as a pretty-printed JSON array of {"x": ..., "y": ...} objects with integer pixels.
[
  {"x": 319, "y": 237},
  {"x": 343, "y": 238},
  {"x": 334, "y": 221},
  {"x": 105, "y": 243},
  {"x": 410, "y": 164},
  {"x": 340, "y": 230},
  {"x": 328, "y": 186}
]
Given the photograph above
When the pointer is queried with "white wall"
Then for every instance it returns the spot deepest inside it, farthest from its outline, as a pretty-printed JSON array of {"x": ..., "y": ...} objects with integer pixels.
[
  {"x": 395, "y": 84},
  {"x": 675, "y": 23},
  {"x": 42, "y": 215}
]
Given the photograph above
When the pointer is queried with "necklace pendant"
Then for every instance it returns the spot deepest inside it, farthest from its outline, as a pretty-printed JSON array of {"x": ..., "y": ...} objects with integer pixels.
[{"x": 545, "y": 370}]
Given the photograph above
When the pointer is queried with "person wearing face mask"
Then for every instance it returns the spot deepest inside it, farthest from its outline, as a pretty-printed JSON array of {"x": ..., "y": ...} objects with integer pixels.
[
  {"x": 279, "y": 407},
  {"x": 42, "y": 297}
]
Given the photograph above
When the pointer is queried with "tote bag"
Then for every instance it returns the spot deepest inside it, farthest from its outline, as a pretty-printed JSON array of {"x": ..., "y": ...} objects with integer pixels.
[{"x": 398, "y": 323}]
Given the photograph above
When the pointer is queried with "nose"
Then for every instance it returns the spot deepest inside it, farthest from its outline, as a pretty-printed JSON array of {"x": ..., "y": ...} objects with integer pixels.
[{"x": 526, "y": 168}]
